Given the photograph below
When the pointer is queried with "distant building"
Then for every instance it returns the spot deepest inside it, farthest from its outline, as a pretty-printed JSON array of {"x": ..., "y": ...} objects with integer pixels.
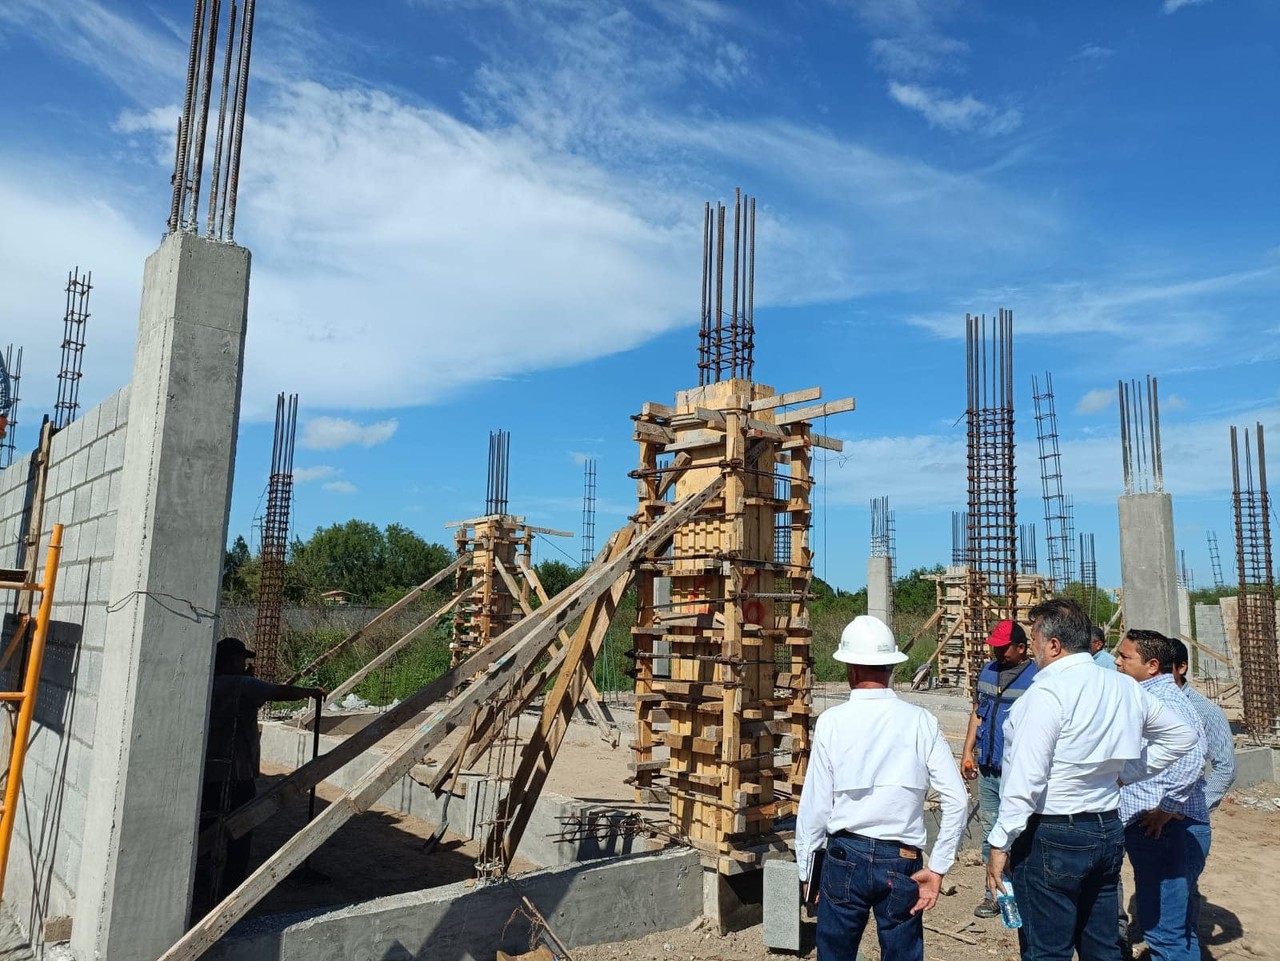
[{"x": 339, "y": 598}]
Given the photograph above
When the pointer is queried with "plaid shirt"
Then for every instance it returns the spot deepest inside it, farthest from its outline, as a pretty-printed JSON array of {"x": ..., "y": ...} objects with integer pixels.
[
  {"x": 1179, "y": 788},
  {"x": 1219, "y": 747}
]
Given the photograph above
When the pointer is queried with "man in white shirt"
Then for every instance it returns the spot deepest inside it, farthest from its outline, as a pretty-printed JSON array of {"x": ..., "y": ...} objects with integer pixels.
[
  {"x": 873, "y": 760},
  {"x": 1067, "y": 742}
]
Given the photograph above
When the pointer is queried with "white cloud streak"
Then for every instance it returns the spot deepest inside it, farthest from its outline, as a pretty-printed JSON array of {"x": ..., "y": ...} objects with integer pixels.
[
  {"x": 957, "y": 114},
  {"x": 1096, "y": 401},
  {"x": 304, "y": 475},
  {"x": 331, "y": 433},
  {"x": 1173, "y": 6},
  {"x": 340, "y": 487}
]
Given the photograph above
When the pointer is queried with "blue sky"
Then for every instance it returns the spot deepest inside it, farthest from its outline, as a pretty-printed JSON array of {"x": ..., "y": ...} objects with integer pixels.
[{"x": 473, "y": 214}]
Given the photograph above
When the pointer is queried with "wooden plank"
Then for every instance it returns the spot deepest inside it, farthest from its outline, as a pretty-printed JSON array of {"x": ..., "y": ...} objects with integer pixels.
[
  {"x": 654, "y": 432},
  {"x": 653, "y": 409},
  {"x": 547, "y": 530},
  {"x": 784, "y": 400},
  {"x": 391, "y": 611},
  {"x": 816, "y": 411},
  {"x": 346, "y": 687},
  {"x": 933, "y": 619},
  {"x": 696, "y": 439},
  {"x": 825, "y": 442},
  {"x": 522, "y": 644}
]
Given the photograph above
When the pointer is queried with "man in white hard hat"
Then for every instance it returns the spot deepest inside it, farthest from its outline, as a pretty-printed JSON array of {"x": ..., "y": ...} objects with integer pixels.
[{"x": 873, "y": 760}]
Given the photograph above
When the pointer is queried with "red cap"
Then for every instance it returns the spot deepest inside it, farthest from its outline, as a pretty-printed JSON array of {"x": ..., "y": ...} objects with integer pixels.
[{"x": 1006, "y": 633}]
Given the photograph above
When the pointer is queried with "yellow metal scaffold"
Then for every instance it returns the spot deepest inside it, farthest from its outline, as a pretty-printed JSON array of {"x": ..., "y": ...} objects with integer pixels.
[{"x": 25, "y": 698}]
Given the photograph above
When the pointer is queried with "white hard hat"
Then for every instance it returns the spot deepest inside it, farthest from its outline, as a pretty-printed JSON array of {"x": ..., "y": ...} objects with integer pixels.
[{"x": 867, "y": 640}]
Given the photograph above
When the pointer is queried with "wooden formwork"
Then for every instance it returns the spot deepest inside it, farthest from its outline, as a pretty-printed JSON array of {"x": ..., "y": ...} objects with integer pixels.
[
  {"x": 962, "y": 636},
  {"x": 722, "y": 655},
  {"x": 494, "y": 543}
]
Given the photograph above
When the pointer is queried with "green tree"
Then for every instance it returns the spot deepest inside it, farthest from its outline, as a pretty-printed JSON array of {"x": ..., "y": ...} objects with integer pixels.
[
  {"x": 556, "y": 575},
  {"x": 916, "y": 593},
  {"x": 239, "y": 574}
]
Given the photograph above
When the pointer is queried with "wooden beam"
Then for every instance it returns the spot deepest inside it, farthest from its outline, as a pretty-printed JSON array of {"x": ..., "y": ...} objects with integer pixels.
[
  {"x": 783, "y": 400},
  {"x": 816, "y": 411},
  {"x": 825, "y": 442},
  {"x": 304, "y": 717},
  {"x": 933, "y": 619},
  {"x": 391, "y": 611},
  {"x": 520, "y": 645},
  {"x": 547, "y": 530}
]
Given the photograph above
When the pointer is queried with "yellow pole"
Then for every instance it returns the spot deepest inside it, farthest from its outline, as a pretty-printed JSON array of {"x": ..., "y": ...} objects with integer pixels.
[{"x": 27, "y": 706}]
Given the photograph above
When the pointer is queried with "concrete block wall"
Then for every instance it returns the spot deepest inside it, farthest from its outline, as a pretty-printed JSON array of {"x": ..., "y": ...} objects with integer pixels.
[
  {"x": 84, "y": 476},
  {"x": 1211, "y": 634}
]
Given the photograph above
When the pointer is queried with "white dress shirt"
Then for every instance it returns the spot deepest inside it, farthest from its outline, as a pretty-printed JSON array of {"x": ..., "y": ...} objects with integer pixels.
[
  {"x": 1070, "y": 736},
  {"x": 872, "y": 763}
]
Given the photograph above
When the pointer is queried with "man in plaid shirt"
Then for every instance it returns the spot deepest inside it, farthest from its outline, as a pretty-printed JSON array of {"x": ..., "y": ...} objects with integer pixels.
[{"x": 1157, "y": 811}]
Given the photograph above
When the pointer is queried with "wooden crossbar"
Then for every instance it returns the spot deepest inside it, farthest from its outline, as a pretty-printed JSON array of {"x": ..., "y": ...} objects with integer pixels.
[{"x": 518, "y": 647}]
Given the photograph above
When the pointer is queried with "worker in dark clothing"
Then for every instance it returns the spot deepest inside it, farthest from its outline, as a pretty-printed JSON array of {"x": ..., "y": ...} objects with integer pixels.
[{"x": 231, "y": 764}]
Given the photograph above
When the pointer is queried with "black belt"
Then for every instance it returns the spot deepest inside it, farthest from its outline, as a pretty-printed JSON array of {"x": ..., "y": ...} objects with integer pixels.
[{"x": 1100, "y": 817}]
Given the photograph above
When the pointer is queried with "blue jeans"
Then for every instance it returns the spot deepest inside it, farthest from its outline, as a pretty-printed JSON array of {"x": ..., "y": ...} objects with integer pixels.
[
  {"x": 988, "y": 805},
  {"x": 1198, "y": 839},
  {"x": 861, "y": 875},
  {"x": 1162, "y": 889},
  {"x": 1065, "y": 875}
]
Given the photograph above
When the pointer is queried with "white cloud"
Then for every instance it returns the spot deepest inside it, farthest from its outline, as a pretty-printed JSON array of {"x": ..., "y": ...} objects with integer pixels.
[
  {"x": 918, "y": 56},
  {"x": 301, "y": 475},
  {"x": 1093, "y": 51},
  {"x": 960, "y": 115},
  {"x": 1096, "y": 401},
  {"x": 340, "y": 487},
  {"x": 1173, "y": 6},
  {"x": 330, "y": 433},
  {"x": 927, "y": 471},
  {"x": 580, "y": 458},
  {"x": 1173, "y": 402}
]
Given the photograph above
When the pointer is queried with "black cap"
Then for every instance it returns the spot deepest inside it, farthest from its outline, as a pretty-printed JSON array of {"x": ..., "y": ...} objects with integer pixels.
[{"x": 233, "y": 647}]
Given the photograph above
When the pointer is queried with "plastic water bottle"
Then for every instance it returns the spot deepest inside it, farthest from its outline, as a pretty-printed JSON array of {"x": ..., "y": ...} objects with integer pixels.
[{"x": 1009, "y": 913}]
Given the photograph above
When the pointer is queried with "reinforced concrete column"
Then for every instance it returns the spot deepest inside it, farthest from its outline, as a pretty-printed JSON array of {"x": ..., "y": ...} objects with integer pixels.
[
  {"x": 1148, "y": 569},
  {"x": 880, "y": 589},
  {"x": 184, "y": 403},
  {"x": 1184, "y": 612}
]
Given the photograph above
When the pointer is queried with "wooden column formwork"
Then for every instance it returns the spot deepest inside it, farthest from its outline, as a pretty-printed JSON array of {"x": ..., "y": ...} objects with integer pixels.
[
  {"x": 723, "y": 665},
  {"x": 491, "y": 609},
  {"x": 962, "y": 637}
]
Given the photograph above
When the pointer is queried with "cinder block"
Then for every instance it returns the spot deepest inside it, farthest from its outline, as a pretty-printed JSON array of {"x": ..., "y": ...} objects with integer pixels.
[
  {"x": 105, "y": 543},
  {"x": 108, "y": 412},
  {"x": 97, "y": 458},
  {"x": 781, "y": 906},
  {"x": 115, "y": 450}
]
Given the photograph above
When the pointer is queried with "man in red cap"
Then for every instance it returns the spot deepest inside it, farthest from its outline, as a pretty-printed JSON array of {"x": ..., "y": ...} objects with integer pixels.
[{"x": 1002, "y": 681}]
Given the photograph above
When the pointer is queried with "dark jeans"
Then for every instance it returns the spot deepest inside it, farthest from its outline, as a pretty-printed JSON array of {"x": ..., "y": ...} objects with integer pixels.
[
  {"x": 861, "y": 875},
  {"x": 1162, "y": 881},
  {"x": 1065, "y": 874},
  {"x": 1199, "y": 837},
  {"x": 222, "y": 870}
]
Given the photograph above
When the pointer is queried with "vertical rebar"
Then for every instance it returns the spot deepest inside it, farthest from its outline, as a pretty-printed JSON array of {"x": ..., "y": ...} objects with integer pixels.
[
  {"x": 588, "y": 511},
  {"x": 1256, "y": 611},
  {"x": 74, "y": 321},
  {"x": 275, "y": 542},
  {"x": 8, "y": 444}
]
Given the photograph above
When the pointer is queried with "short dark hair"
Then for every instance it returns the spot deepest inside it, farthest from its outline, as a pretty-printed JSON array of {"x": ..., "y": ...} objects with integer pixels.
[
  {"x": 1180, "y": 654},
  {"x": 1098, "y": 634},
  {"x": 1154, "y": 646},
  {"x": 1065, "y": 619}
]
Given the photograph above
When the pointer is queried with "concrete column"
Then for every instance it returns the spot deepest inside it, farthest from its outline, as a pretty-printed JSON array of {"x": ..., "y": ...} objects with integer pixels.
[
  {"x": 880, "y": 588},
  {"x": 1184, "y": 611},
  {"x": 1147, "y": 565},
  {"x": 184, "y": 404},
  {"x": 1212, "y": 636}
]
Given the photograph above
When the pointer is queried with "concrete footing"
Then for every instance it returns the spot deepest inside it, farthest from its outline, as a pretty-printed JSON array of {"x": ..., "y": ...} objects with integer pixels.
[{"x": 617, "y": 900}]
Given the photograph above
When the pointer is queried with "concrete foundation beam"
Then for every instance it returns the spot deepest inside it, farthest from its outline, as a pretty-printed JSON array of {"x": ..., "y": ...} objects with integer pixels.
[
  {"x": 184, "y": 402},
  {"x": 1254, "y": 765},
  {"x": 609, "y": 901}
]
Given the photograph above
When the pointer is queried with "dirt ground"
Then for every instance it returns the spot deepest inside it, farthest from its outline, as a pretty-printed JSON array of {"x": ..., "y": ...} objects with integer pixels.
[{"x": 1239, "y": 919}]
